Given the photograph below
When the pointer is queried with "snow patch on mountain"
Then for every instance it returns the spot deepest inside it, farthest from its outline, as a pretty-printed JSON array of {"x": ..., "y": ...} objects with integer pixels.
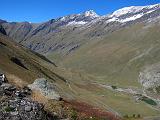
[
  {"x": 76, "y": 23},
  {"x": 132, "y": 9},
  {"x": 63, "y": 18},
  {"x": 150, "y": 11},
  {"x": 123, "y": 15},
  {"x": 69, "y": 17},
  {"x": 79, "y": 19},
  {"x": 113, "y": 20},
  {"x": 126, "y": 10},
  {"x": 132, "y": 18},
  {"x": 90, "y": 13},
  {"x": 135, "y": 11}
]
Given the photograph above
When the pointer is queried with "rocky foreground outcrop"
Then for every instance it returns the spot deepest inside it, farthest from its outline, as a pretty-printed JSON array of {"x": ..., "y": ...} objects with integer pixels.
[{"x": 16, "y": 103}]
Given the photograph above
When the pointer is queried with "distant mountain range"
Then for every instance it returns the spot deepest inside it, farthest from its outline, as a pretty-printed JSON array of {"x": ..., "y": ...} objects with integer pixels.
[{"x": 68, "y": 33}]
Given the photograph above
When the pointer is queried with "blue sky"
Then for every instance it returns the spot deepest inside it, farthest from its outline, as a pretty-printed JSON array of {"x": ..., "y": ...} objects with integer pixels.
[{"x": 43, "y": 10}]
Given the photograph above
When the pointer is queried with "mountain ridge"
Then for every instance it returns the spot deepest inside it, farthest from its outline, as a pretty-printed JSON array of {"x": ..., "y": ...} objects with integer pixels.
[
  {"x": 93, "y": 13},
  {"x": 42, "y": 37}
]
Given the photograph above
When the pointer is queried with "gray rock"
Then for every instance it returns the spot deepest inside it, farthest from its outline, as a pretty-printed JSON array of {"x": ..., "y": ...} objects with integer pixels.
[
  {"x": 28, "y": 108},
  {"x": 48, "y": 89},
  {"x": 14, "y": 113},
  {"x": 7, "y": 86}
]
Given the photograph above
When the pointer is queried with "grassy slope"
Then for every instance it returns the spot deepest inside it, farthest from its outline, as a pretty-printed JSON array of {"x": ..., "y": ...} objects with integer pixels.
[
  {"x": 82, "y": 89},
  {"x": 37, "y": 66},
  {"x": 119, "y": 57}
]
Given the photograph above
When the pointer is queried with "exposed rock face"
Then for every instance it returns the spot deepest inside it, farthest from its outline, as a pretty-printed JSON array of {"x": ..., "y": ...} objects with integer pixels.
[
  {"x": 46, "y": 88},
  {"x": 150, "y": 77},
  {"x": 15, "y": 104},
  {"x": 21, "y": 109},
  {"x": 2, "y": 30}
]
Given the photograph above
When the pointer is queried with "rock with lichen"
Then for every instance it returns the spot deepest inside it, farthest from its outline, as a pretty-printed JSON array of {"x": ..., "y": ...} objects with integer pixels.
[{"x": 48, "y": 89}]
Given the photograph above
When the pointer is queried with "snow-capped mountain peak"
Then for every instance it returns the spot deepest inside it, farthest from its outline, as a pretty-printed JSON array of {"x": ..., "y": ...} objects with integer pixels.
[
  {"x": 122, "y": 15},
  {"x": 126, "y": 10},
  {"x": 79, "y": 19},
  {"x": 132, "y": 9},
  {"x": 90, "y": 13},
  {"x": 132, "y": 13}
]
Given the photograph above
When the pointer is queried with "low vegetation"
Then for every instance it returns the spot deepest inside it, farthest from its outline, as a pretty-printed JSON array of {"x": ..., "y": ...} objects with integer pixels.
[
  {"x": 132, "y": 117},
  {"x": 148, "y": 101},
  {"x": 114, "y": 87}
]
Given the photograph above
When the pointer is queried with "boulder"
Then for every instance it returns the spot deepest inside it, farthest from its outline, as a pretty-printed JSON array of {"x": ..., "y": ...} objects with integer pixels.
[{"x": 48, "y": 89}]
